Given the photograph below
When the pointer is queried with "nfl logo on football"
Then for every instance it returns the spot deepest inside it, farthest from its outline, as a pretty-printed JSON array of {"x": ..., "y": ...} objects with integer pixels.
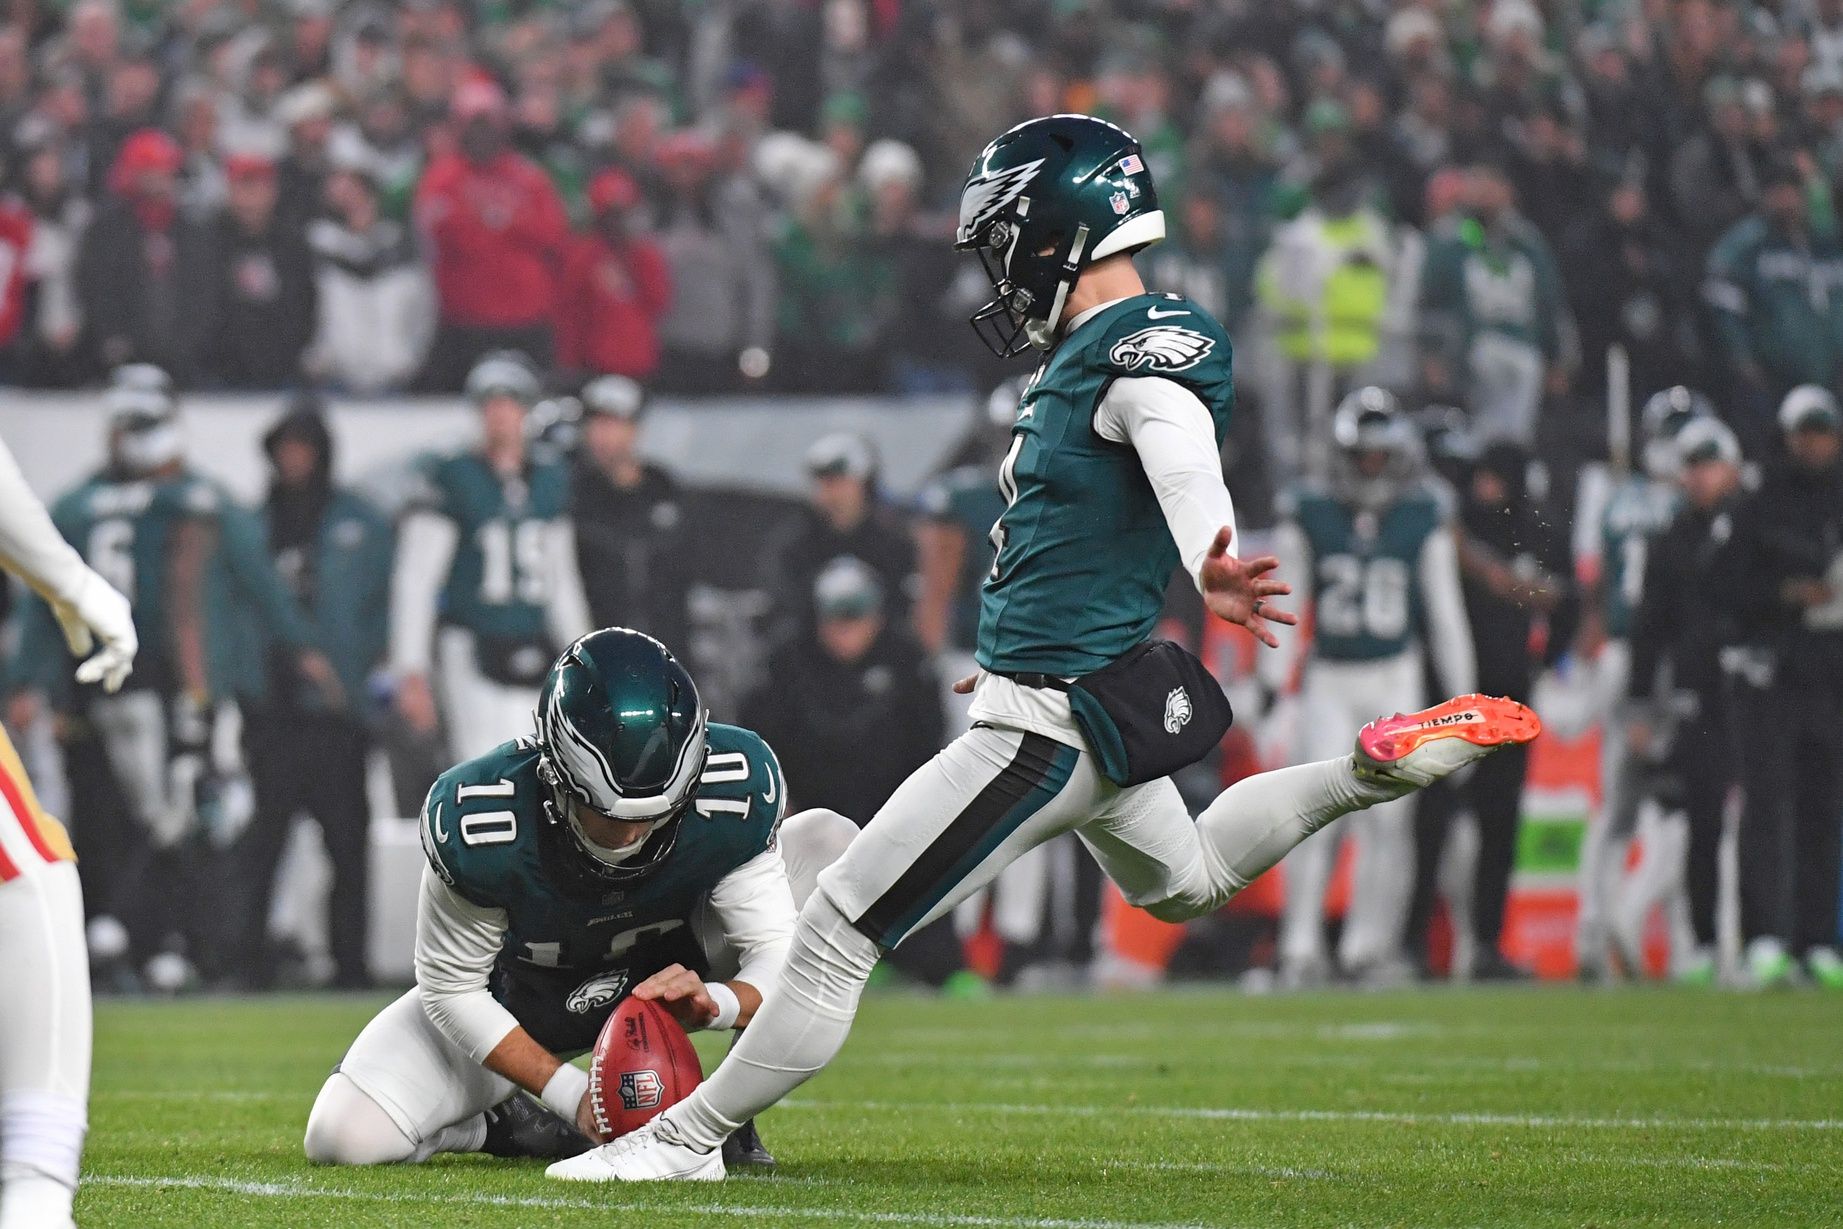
[{"x": 641, "y": 1090}]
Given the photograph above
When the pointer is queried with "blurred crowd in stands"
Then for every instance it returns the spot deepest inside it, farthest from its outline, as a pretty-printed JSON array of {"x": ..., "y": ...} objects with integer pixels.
[
  {"x": 1473, "y": 199},
  {"x": 1453, "y": 240}
]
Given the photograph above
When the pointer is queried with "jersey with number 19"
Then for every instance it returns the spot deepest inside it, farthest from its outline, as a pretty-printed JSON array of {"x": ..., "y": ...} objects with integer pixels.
[
  {"x": 497, "y": 585},
  {"x": 575, "y": 943},
  {"x": 1084, "y": 550}
]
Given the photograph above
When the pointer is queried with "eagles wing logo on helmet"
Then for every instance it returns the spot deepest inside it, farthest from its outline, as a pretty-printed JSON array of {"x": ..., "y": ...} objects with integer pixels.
[
  {"x": 598, "y": 991},
  {"x": 984, "y": 199},
  {"x": 1164, "y": 347}
]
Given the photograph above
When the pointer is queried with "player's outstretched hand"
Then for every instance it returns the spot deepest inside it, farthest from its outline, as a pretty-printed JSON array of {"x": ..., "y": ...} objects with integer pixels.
[
  {"x": 1237, "y": 590},
  {"x": 681, "y": 992}
]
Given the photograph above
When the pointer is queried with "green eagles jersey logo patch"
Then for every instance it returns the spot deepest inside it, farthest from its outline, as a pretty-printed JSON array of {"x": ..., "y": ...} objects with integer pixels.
[
  {"x": 598, "y": 991},
  {"x": 1163, "y": 347}
]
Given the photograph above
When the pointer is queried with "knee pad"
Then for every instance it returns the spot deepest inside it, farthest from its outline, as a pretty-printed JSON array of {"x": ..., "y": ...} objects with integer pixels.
[
  {"x": 347, "y": 1127},
  {"x": 810, "y": 842}
]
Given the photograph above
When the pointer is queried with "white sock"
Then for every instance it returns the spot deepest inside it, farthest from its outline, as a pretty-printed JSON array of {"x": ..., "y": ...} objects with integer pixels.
[
  {"x": 33, "y": 1201},
  {"x": 1259, "y": 819},
  {"x": 801, "y": 1025},
  {"x": 467, "y": 1135},
  {"x": 41, "y": 1141}
]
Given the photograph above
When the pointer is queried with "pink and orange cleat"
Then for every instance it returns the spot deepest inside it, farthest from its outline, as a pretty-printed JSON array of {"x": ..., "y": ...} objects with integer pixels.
[{"x": 1413, "y": 750}]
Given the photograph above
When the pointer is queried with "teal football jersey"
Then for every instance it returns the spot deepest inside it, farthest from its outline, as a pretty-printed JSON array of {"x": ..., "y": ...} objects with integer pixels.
[
  {"x": 575, "y": 943},
  {"x": 1366, "y": 595},
  {"x": 498, "y": 583},
  {"x": 1638, "y": 510},
  {"x": 1084, "y": 554},
  {"x": 968, "y": 499},
  {"x": 122, "y": 528}
]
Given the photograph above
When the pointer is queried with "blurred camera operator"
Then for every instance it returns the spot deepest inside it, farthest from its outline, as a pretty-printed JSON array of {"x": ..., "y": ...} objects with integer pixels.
[
  {"x": 630, "y": 519},
  {"x": 1677, "y": 717},
  {"x": 1787, "y": 592}
]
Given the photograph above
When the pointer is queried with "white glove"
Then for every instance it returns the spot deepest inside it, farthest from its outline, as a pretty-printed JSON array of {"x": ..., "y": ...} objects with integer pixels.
[{"x": 93, "y": 612}]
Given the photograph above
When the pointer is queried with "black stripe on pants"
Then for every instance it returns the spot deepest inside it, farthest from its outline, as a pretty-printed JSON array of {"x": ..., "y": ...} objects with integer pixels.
[{"x": 921, "y": 885}]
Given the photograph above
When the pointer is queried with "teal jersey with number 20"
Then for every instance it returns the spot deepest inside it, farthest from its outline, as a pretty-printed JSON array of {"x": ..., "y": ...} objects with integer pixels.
[
  {"x": 574, "y": 943},
  {"x": 1366, "y": 592},
  {"x": 1084, "y": 554}
]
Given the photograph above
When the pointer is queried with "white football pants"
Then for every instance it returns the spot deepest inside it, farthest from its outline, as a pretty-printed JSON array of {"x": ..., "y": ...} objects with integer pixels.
[
  {"x": 477, "y": 712},
  {"x": 960, "y": 819},
  {"x": 1336, "y": 699},
  {"x": 44, "y": 1043}
]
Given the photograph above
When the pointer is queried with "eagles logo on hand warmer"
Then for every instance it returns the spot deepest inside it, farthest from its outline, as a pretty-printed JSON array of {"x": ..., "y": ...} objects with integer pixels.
[
  {"x": 1177, "y": 710},
  {"x": 1163, "y": 347}
]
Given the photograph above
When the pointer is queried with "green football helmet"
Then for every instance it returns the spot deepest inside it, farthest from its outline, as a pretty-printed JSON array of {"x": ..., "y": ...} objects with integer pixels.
[
  {"x": 1378, "y": 450},
  {"x": 1042, "y": 203},
  {"x": 504, "y": 373},
  {"x": 620, "y": 730},
  {"x": 1663, "y": 416}
]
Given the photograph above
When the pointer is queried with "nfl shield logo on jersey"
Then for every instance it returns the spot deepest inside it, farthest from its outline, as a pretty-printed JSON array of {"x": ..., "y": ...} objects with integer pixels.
[
  {"x": 598, "y": 991},
  {"x": 1177, "y": 710},
  {"x": 641, "y": 1090}
]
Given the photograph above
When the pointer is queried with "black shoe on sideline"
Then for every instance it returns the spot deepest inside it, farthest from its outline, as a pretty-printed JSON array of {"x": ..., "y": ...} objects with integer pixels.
[
  {"x": 744, "y": 1148},
  {"x": 1493, "y": 967},
  {"x": 520, "y": 1127}
]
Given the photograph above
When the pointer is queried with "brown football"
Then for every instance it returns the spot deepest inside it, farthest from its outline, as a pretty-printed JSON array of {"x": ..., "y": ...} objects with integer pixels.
[{"x": 643, "y": 1064}]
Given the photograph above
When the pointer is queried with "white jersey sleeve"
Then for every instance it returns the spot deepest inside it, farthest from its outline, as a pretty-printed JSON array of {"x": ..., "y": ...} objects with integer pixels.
[
  {"x": 1172, "y": 431},
  {"x": 1449, "y": 630},
  {"x": 425, "y": 550},
  {"x": 567, "y": 613},
  {"x": 753, "y": 906},
  {"x": 457, "y": 942}
]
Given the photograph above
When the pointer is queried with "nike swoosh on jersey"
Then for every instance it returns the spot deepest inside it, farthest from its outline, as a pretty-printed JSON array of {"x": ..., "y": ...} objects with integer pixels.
[
  {"x": 769, "y": 792},
  {"x": 1152, "y": 313},
  {"x": 440, "y": 833}
]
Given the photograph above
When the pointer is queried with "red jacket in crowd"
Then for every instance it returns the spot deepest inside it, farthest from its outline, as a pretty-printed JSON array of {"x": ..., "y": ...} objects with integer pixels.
[
  {"x": 498, "y": 231},
  {"x": 608, "y": 313},
  {"x": 15, "y": 238}
]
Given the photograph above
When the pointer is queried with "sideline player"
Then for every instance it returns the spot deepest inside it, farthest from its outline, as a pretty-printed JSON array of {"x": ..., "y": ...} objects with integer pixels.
[
  {"x": 1614, "y": 535},
  {"x": 486, "y": 589},
  {"x": 1113, "y": 479},
  {"x": 628, "y": 848},
  {"x": 1372, "y": 554},
  {"x": 45, "y": 1010}
]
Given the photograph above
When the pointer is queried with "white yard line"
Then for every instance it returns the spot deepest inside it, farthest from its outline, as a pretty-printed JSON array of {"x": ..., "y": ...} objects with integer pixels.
[
  {"x": 934, "y": 1220},
  {"x": 1399, "y": 1117}
]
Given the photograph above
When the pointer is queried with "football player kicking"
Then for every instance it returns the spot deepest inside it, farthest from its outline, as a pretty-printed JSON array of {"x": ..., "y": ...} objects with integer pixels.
[
  {"x": 630, "y": 847},
  {"x": 45, "y": 1012},
  {"x": 1114, "y": 478}
]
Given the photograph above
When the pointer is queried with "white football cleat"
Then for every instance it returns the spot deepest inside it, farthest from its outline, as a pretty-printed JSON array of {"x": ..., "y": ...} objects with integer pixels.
[
  {"x": 1411, "y": 751},
  {"x": 644, "y": 1154}
]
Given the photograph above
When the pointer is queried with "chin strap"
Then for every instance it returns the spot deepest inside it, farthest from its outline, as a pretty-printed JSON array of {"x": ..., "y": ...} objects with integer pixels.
[{"x": 1042, "y": 333}]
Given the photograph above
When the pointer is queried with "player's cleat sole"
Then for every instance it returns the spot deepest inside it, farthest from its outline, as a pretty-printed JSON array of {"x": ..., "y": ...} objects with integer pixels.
[
  {"x": 642, "y": 1155},
  {"x": 520, "y": 1127},
  {"x": 1411, "y": 751},
  {"x": 744, "y": 1149}
]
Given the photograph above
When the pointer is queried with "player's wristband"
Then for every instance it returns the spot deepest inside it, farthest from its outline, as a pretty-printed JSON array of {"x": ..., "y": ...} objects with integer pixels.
[
  {"x": 728, "y": 1005},
  {"x": 564, "y": 1092}
]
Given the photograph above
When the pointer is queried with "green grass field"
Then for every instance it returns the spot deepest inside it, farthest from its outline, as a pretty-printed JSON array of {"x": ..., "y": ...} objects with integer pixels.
[{"x": 1538, "y": 1107}]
